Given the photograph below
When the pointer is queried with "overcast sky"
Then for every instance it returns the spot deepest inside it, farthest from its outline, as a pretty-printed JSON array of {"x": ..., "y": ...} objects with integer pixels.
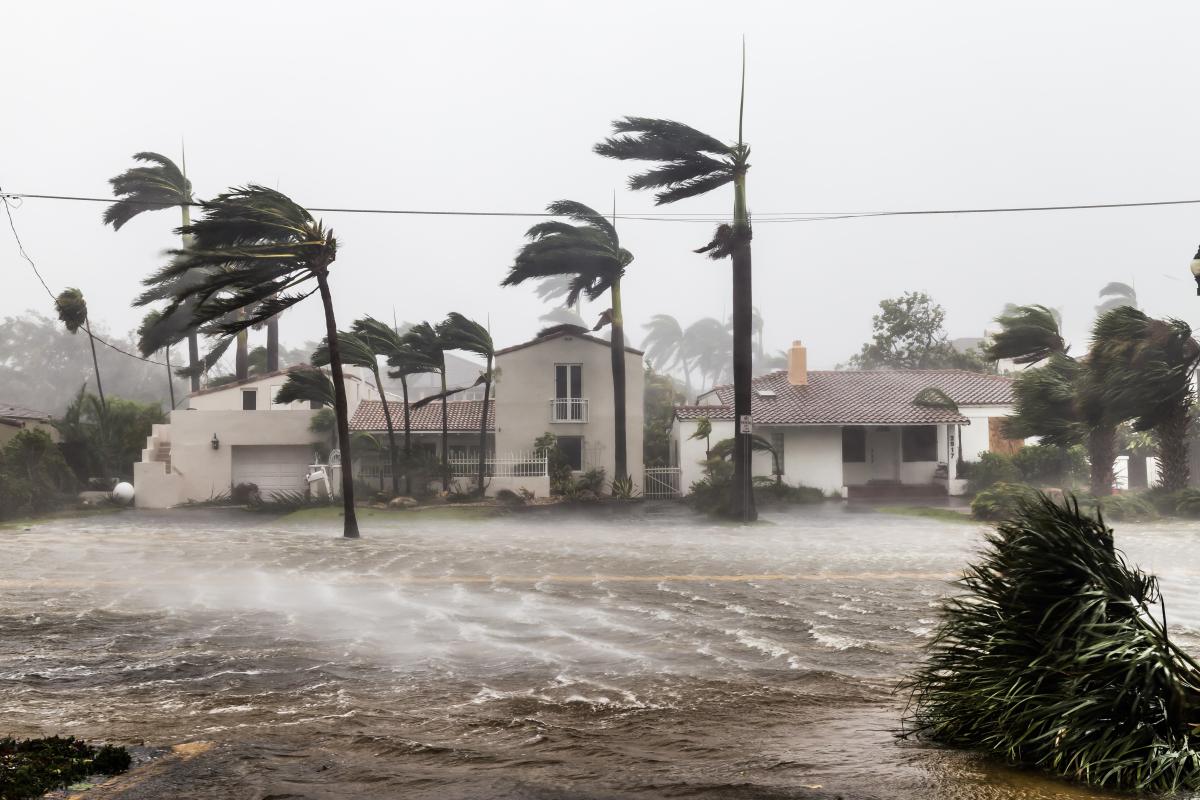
[{"x": 494, "y": 106}]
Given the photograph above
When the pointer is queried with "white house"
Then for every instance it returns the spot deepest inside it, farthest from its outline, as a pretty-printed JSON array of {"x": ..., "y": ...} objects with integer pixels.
[
  {"x": 857, "y": 433},
  {"x": 230, "y": 435}
]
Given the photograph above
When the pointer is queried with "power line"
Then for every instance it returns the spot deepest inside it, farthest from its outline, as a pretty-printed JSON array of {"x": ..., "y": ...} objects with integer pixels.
[{"x": 4, "y": 198}]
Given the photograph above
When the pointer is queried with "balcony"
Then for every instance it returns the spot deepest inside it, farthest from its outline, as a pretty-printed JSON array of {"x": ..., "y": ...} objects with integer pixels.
[{"x": 569, "y": 409}]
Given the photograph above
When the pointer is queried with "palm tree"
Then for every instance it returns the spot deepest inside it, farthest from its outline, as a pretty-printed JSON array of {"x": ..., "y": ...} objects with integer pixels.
[
  {"x": 256, "y": 248},
  {"x": 426, "y": 341},
  {"x": 1143, "y": 368},
  {"x": 591, "y": 254},
  {"x": 1028, "y": 334},
  {"x": 149, "y": 188},
  {"x": 664, "y": 345},
  {"x": 306, "y": 384},
  {"x": 152, "y": 319},
  {"x": 358, "y": 352},
  {"x": 708, "y": 345},
  {"x": 73, "y": 313},
  {"x": 1116, "y": 295},
  {"x": 692, "y": 163},
  {"x": 386, "y": 341},
  {"x": 460, "y": 333}
]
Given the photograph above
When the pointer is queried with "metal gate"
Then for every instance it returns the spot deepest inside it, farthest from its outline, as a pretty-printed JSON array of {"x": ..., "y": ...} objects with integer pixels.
[{"x": 662, "y": 483}]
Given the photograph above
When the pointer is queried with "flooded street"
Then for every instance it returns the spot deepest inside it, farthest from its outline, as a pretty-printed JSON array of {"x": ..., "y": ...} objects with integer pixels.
[{"x": 649, "y": 653}]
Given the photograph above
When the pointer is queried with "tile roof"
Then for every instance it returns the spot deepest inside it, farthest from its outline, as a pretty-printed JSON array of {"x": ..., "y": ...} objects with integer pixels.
[
  {"x": 463, "y": 416},
  {"x": 20, "y": 412},
  {"x": 558, "y": 334},
  {"x": 860, "y": 397}
]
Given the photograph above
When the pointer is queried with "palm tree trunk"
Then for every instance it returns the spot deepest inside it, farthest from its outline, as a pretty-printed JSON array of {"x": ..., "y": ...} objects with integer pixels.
[
  {"x": 95, "y": 362},
  {"x": 241, "y": 361},
  {"x": 387, "y": 418},
  {"x": 1102, "y": 451},
  {"x": 341, "y": 410},
  {"x": 445, "y": 434},
  {"x": 193, "y": 337},
  {"x": 1170, "y": 435},
  {"x": 617, "y": 349},
  {"x": 487, "y": 390},
  {"x": 273, "y": 347},
  {"x": 407, "y": 438},
  {"x": 170, "y": 377},
  {"x": 742, "y": 497}
]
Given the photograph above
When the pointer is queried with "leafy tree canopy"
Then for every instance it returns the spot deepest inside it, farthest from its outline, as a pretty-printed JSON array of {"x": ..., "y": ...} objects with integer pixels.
[{"x": 909, "y": 333}]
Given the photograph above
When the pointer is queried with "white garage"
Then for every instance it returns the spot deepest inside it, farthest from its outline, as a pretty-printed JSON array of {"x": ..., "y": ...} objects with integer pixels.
[{"x": 272, "y": 468}]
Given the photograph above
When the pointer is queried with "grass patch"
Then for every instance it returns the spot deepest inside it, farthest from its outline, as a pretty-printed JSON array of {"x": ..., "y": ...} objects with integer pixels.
[
  {"x": 31, "y": 767},
  {"x": 927, "y": 512}
]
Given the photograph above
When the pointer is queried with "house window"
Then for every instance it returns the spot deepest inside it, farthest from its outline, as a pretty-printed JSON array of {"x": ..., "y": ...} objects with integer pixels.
[
  {"x": 568, "y": 392},
  {"x": 854, "y": 445},
  {"x": 919, "y": 442},
  {"x": 572, "y": 450},
  {"x": 777, "y": 443},
  {"x": 249, "y": 399}
]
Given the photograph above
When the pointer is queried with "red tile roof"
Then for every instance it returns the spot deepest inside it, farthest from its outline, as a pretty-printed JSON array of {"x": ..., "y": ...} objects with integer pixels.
[
  {"x": 463, "y": 416},
  {"x": 860, "y": 397},
  {"x": 20, "y": 412}
]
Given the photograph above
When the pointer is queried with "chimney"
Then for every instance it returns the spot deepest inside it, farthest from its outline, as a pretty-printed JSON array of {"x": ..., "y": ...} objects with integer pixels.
[{"x": 798, "y": 364}]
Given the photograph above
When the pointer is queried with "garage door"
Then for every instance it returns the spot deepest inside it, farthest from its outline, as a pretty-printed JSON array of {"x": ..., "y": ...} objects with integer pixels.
[{"x": 272, "y": 468}]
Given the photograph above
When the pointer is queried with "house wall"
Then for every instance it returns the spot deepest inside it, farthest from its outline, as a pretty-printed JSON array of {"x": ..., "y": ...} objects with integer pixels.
[
  {"x": 8, "y": 432},
  {"x": 691, "y": 452},
  {"x": 199, "y": 472},
  {"x": 229, "y": 398},
  {"x": 812, "y": 456},
  {"x": 975, "y": 436},
  {"x": 526, "y": 387}
]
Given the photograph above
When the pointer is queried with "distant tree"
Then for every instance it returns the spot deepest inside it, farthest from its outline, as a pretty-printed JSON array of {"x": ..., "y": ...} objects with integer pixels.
[
  {"x": 708, "y": 346},
  {"x": 426, "y": 341},
  {"x": 1116, "y": 295},
  {"x": 34, "y": 478},
  {"x": 73, "y": 314},
  {"x": 460, "y": 333},
  {"x": 658, "y": 412},
  {"x": 105, "y": 440},
  {"x": 909, "y": 333}
]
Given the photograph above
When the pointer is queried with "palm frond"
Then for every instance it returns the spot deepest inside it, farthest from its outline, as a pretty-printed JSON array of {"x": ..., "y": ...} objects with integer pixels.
[
  {"x": 460, "y": 333},
  {"x": 352, "y": 349},
  {"x": 306, "y": 384},
  {"x": 72, "y": 309},
  {"x": 139, "y": 189},
  {"x": 1028, "y": 334}
]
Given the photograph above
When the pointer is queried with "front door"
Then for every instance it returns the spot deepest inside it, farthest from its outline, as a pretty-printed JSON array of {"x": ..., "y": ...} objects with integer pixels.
[{"x": 883, "y": 454}]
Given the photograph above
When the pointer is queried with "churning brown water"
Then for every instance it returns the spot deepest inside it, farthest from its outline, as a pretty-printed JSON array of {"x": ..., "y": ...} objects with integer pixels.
[{"x": 645, "y": 654}]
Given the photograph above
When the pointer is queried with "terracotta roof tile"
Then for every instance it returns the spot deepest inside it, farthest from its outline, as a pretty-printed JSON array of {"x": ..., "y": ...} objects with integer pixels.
[
  {"x": 20, "y": 412},
  {"x": 463, "y": 416},
  {"x": 860, "y": 397}
]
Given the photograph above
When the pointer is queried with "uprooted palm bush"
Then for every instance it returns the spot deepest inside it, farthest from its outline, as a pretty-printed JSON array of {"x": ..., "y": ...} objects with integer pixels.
[{"x": 1057, "y": 657}]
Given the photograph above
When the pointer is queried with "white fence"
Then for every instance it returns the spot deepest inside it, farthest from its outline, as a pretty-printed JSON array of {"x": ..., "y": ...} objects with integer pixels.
[
  {"x": 569, "y": 409},
  {"x": 662, "y": 483},
  {"x": 531, "y": 465}
]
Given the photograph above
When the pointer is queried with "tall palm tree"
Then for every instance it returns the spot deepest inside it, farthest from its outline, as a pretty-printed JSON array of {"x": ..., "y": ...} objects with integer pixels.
[
  {"x": 1116, "y": 295},
  {"x": 308, "y": 385},
  {"x": 460, "y": 333},
  {"x": 426, "y": 340},
  {"x": 161, "y": 184},
  {"x": 152, "y": 319},
  {"x": 664, "y": 345},
  {"x": 709, "y": 347},
  {"x": 692, "y": 163},
  {"x": 73, "y": 313},
  {"x": 256, "y": 248},
  {"x": 387, "y": 342},
  {"x": 1028, "y": 334},
  {"x": 590, "y": 253},
  {"x": 357, "y": 351},
  {"x": 1143, "y": 370}
]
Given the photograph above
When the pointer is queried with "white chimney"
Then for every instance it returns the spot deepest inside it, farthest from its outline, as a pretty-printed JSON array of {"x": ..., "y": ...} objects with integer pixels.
[{"x": 798, "y": 364}]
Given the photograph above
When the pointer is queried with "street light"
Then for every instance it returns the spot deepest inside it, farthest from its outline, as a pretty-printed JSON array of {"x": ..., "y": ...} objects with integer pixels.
[{"x": 1196, "y": 270}]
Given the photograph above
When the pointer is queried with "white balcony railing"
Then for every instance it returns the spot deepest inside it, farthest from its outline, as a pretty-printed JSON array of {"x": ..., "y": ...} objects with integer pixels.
[{"x": 569, "y": 409}]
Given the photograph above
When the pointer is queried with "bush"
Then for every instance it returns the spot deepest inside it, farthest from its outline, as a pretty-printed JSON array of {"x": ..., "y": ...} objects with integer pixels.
[
  {"x": 557, "y": 466},
  {"x": 1050, "y": 465},
  {"x": 34, "y": 478},
  {"x": 710, "y": 494},
  {"x": 29, "y": 768},
  {"x": 623, "y": 488},
  {"x": 1185, "y": 503},
  {"x": 1126, "y": 508},
  {"x": 1001, "y": 501},
  {"x": 769, "y": 490},
  {"x": 1055, "y": 658},
  {"x": 590, "y": 481},
  {"x": 990, "y": 469},
  {"x": 510, "y": 498}
]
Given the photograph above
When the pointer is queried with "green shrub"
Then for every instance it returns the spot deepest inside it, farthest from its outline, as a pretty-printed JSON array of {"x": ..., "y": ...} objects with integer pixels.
[
  {"x": 623, "y": 488},
  {"x": 1001, "y": 500},
  {"x": 34, "y": 478},
  {"x": 1186, "y": 503},
  {"x": 1126, "y": 508},
  {"x": 31, "y": 767},
  {"x": 1056, "y": 657},
  {"x": 990, "y": 469},
  {"x": 770, "y": 490},
  {"x": 590, "y": 481},
  {"x": 710, "y": 494},
  {"x": 1050, "y": 465},
  {"x": 557, "y": 466}
]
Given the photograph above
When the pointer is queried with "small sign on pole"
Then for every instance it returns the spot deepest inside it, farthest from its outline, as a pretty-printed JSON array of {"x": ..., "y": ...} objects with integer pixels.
[{"x": 745, "y": 424}]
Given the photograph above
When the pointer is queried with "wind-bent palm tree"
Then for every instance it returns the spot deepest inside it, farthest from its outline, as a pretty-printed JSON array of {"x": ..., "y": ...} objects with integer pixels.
[
  {"x": 308, "y": 385},
  {"x": 358, "y": 352},
  {"x": 709, "y": 347},
  {"x": 1028, "y": 334},
  {"x": 692, "y": 163},
  {"x": 591, "y": 254},
  {"x": 1116, "y": 295},
  {"x": 73, "y": 313},
  {"x": 387, "y": 342},
  {"x": 664, "y": 345},
  {"x": 152, "y": 319},
  {"x": 257, "y": 249},
  {"x": 460, "y": 333},
  {"x": 426, "y": 340},
  {"x": 1143, "y": 370}
]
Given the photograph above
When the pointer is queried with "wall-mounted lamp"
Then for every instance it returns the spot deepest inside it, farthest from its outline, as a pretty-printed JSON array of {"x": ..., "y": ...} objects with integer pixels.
[{"x": 216, "y": 443}]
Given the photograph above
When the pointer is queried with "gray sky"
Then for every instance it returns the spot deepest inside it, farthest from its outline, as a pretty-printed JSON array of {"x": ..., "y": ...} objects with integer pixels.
[{"x": 494, "y": 106}]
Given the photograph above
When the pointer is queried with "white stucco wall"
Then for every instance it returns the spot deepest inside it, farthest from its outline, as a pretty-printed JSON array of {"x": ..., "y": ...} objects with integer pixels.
[
  {"x": 975, "y": 436},
  {"x": 526, "y": 387},
  {"x": 229, "y": 398},
  {"x": 812, "y": 456},
  {"x": 692, "y": 451}
]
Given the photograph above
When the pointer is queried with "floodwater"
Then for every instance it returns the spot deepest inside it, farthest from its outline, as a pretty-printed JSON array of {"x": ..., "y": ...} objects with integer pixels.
[{"x": 649, "y": 653}]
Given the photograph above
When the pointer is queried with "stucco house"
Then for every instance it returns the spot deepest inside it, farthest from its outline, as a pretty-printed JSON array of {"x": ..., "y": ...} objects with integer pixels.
[
  {"x": 14, "y": 419},
  {"x": 234, "y": 434},
  {"x": 857, "y": 433}
]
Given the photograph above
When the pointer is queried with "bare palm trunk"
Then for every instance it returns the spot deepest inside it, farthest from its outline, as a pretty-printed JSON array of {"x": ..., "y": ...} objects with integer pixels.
[
  {"x": 341, "y": 410},
  {"x": 617, "y": 349},
  {"x": 193, "y": 337},
  {"x": 407, "y": 438},
  {"x": 487, "y": 390},
  {"x": 1171, "y": 437},
  {"x": 87, "y": 327},
  {"x": 742, "y": 496},
  {"x": 445, "y": 433},
  {"x": 1102, "y": 451},
  {"x": 170, "y": 377},
  {"x": 241, "y": 360},
  {"x": 273, "y": 346},
  {"x": 391, "y": 430}
]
